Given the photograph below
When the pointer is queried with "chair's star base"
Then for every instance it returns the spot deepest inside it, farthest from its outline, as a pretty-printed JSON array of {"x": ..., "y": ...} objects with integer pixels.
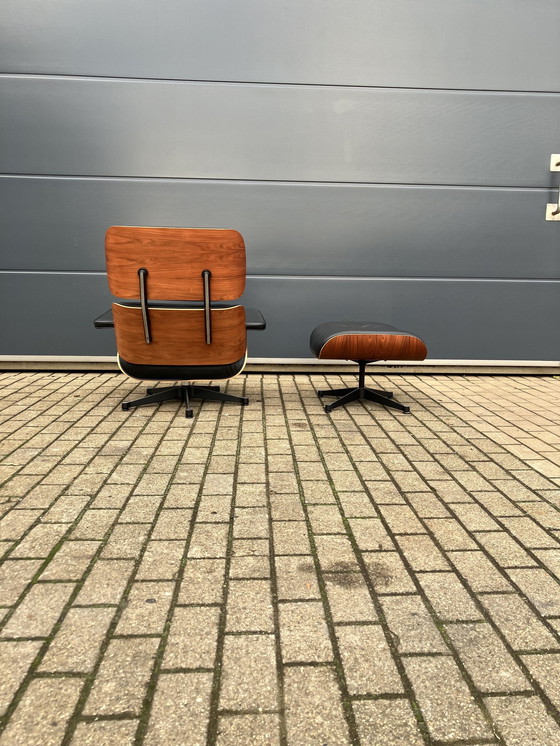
[
  {"x": 184, "y": 393},
  {"x": 361, "y": 394}
]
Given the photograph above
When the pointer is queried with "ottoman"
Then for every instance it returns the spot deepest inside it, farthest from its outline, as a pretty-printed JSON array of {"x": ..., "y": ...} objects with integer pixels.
[{"x": 364, "y": 342}]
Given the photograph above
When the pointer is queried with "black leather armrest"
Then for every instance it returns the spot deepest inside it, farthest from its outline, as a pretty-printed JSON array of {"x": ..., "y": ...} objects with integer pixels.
[
  {"x": 105, "y": 321},
  {"x": 254, "y": 320}
]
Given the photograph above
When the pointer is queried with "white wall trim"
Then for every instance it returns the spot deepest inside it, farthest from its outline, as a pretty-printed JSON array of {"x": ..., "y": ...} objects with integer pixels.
[{"x": 299, "y": 361}]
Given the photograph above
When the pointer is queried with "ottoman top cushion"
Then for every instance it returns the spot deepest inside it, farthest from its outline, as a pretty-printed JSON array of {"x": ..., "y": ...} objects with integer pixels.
[{"x": 375, "y": 334}]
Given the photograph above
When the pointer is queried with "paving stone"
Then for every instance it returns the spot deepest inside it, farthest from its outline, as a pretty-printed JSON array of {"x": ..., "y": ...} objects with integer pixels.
[
  {"x": 540, "y": 588},
  {"x": 71, "y": 560},
  {"x": 479, "y": 572},
  {"x": 146, "y": 609},
  {"x": 497, "y": 504},
  {"x": 318, "y": 492},
  {"x": 182, "y": 495},
  {"x": 42, "y": 714},
  {"x": 140, "y": 509},
  {"x": 120, "y": 683},
  {"x": 249, "y": 606},
  {"x": 249, "y": 676},
  {"x": 106, "y": 582},
  {"x": 203, "y": 581},
  {"x": 105, "y": 733},
  {"x": 290, "y": 537},
  {"x": 427, "y": 505},
  {"x": 214, "y": 509},
  {"x": 523, "y": 720},
  {"x": 39, "y": 611},
  {"x": 250, "y": 522},
  {"x": 94, "y": 524},
  {"x": 314, "y": 712},
  {"x": 356, "y": 505},
  {"x": 449, "y": 710},
  {"x": 545, "y": 669},
  {"x": 41, "y": 540},
  {"x": 296, "y": 578},
  {"x": 15, "y": 659},
  {"x": 388, "y": 573},
  {"x": 401, "y": 519},
  {"x": 209, "y": 540},
  {"x": 370, "y": 534},
  {"x": 180, "y": 709},
  {"x": 286, "y": 508},
  {"x": 325, "y": 519},
  {"x": 349, "y": 598},
  {"x": 14, "y": 524},
  {"x": 368, "y": 665},
  {"x": 126, "y": 541},
  {"x": 387, "y": 723},
  {"x": 546, "y": 515},
  {"x": 303, "y": 633},
  {"x": 192, "y": 637},
  {"x": 15, "y": 575},
  {"x": 76, "y": 645},
  {"x": 335, "y": 553},
  {"x": 161, "y": 560},
  {"x": 478, "y": 645},
  {"x": 249, "y": 567},
  {"x": 518, "y": 623},
  {"x": 529, "y": 533},
  {"x": 66, "y": 509},
  {"x": 250, "y": 730},
  {"x": 172, "y": 524},
  {"x": 449, "y": 598},
  {"x": 422, "y": 553},
  {"x": 412, "y": 626},
  {"x": 505, "y": 550},
  {"x": 450, "y": 534}
]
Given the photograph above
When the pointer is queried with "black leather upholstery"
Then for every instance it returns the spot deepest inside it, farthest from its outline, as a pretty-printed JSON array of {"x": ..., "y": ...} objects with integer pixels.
[
  {"x": 322, "y": 333},
  {"x": 181, "y": 372}
]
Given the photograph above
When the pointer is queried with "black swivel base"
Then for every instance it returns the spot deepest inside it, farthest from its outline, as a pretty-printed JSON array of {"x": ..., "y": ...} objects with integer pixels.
[
  {"x": 184, "y": 393},
  {"x": 361, "y": 393}
]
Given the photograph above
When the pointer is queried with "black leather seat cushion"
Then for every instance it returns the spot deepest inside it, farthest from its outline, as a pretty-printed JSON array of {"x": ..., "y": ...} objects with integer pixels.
[{"x": 181, "y": 372}]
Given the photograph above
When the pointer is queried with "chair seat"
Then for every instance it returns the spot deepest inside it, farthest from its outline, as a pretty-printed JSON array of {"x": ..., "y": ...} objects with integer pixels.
[{"x": 365, "y": 340}]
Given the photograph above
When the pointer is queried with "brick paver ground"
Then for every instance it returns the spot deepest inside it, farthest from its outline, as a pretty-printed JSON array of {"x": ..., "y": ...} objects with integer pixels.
[{"x": 275, "y": 575}]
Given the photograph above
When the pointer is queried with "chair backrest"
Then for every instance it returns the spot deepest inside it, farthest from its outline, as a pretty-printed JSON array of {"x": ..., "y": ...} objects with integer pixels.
[
  {"x": 175, "y": 259},
  {"x": 177, "y": 264}
]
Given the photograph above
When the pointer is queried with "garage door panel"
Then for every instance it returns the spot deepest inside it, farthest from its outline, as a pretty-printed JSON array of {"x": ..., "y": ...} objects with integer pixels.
[
  {"x": 474, "y": 320},
  {"x": 314, "y": 229},
  {"x": 383, "y": 43},
  {"x": 78, "y": 127}
]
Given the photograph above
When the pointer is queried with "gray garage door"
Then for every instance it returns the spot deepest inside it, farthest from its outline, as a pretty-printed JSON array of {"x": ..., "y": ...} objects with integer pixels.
[{"x": 384, "y": 159}]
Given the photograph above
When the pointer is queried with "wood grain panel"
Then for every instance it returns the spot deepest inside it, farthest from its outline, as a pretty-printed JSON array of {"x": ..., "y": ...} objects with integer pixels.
[
  {"x": 373, "y": 347},
  {"x": 175, "y": 259},
  {"x": 178, "y": 336}
]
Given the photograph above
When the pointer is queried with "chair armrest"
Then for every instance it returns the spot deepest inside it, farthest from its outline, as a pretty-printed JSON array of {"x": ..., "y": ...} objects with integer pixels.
[
  {"x": 254, "y": 320},
  {"x": 105, "y": 321}
]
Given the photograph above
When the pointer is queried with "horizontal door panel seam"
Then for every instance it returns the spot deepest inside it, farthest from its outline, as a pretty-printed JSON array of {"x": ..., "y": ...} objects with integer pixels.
[
  {"x": 320, "y": 278},
  {"x": 267, "y": 84},
  {"x": 280, "y": 182}
]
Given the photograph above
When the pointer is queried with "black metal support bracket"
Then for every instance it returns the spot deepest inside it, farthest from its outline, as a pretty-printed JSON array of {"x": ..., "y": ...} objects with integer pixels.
[
  {"x": 142, "y": 275},
  {"x": 206, "y": 275}
]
